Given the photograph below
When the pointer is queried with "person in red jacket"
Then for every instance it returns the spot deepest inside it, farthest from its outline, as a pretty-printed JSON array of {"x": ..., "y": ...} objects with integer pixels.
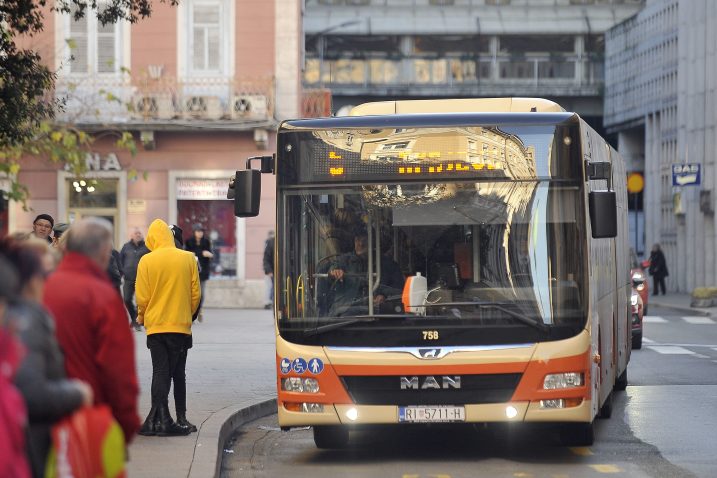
[{"x": 91, "y": 322}]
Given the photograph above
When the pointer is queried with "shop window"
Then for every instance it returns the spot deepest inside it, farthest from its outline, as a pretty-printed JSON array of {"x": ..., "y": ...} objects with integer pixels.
[
  {"x": 219, "y": 223},
  {"x": 92, "y": 193}
]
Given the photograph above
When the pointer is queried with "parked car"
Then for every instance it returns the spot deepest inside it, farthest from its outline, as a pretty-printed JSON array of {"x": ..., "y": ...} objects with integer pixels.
[
  {"x": 639, "y": 279},
  {"x": 636, "y": 315}
]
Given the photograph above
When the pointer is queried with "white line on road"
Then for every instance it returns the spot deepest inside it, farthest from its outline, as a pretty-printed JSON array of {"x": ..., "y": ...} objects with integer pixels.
[
  {"x": 699, "y": 320},
  {"x": 671, "y": 350},
  {"x": 648, "y": 341},
  {"x": 653, "y": 319}
]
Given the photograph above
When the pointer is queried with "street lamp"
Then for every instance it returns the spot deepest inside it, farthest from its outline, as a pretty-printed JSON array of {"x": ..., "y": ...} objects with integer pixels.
[{"x": 320, "y": 40}]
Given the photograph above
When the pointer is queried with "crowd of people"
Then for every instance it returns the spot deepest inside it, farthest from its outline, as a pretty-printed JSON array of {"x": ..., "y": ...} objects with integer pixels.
[{"x": 66, "y": 298}]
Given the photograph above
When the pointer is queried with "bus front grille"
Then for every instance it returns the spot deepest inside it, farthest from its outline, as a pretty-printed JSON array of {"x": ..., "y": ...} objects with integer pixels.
[{"x": 431, "y": 389}]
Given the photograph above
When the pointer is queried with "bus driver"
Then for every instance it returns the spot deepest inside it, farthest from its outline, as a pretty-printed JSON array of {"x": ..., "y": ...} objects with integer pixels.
[{"x": 350, "y": 280}]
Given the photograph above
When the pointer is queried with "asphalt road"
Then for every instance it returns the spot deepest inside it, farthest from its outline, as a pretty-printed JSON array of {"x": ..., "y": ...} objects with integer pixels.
[{"x": 663, "y": 425}]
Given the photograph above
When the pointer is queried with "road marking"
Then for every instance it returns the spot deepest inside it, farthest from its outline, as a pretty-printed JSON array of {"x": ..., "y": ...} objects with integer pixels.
[
  {"x": 670, "y": 350},
  {"x": 648, "y": 341},
  {"x": 605, "y": 468},
  {"x": 699, "y": 320},
  {"x": 653, "y": 319},
  {"x": 581, "y": 451},
  {"x": 701, "y": 356}
]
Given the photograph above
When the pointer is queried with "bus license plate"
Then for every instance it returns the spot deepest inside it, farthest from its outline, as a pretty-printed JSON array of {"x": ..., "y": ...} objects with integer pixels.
[{"x": 428, "y": 414}]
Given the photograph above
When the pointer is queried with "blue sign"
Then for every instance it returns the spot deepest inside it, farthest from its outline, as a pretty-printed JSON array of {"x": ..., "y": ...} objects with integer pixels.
[
  {"x": 316, "y": 366},
  {"x": 299, "y": 365},
  {"x": 285, "y": 365},
  {"x": 687, "y": 174}
]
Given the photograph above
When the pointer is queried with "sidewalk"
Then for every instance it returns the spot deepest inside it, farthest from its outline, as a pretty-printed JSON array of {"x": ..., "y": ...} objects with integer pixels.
[
  {"x": 680, "y": 302},
  {"x": 230, "y": 377}
]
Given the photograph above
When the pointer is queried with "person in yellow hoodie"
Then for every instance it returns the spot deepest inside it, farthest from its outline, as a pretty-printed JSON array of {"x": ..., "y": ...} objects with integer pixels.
[{"x": 168, "y": 293}]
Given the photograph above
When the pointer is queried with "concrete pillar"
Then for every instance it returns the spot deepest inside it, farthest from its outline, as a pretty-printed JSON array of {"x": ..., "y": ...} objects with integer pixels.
[{"x": 287, "y": 64}]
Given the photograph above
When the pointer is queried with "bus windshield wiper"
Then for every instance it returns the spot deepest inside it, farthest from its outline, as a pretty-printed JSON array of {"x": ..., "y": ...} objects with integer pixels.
[
  {"x": 540, "y": 325},
  {"x": 353, "y": 320}
]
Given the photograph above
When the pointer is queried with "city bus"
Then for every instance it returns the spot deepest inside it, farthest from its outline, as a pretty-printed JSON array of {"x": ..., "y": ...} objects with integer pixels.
[{"x": 446, "y": 261}]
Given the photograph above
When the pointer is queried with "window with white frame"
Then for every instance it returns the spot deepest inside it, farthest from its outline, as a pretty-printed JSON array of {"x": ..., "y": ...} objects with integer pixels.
[
  {"x": 207, "y": 33},
  {"x": 94, "y": 48}
]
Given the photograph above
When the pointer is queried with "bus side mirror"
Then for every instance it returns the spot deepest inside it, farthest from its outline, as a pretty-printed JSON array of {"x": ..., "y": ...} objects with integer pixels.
[
  {"x": 603, "y": 213},
  {"x": 247, "y": 193}
]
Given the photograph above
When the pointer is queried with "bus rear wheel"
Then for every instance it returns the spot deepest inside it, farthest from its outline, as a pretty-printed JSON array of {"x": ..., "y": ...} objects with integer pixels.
[
  {"x": 621, "y": 382},
  {"x": 577, "y": 434},
  {"x": 331, "y": 436}
]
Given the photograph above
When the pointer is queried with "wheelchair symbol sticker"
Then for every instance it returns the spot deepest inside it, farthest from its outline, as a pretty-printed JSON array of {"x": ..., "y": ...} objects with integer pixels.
[
  {"x": 285, "y": 365},
  {"x": 316, "y": 366},
  {"x": 299, "y": 365}
]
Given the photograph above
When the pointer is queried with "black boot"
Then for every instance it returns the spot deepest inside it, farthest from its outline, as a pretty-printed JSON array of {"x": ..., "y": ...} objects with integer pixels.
[
  {"x": 149, "y": 427},
  {"x": 166, "y": 427},
  {"x": 182, "y": 422}
]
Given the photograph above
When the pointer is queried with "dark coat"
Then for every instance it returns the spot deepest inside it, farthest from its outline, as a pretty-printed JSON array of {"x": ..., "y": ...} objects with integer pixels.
[
  {"x": 92, "y": 331},
  {"x": 130, "y": 255},
  {"x": 658, "y": 265},
  {"x": 41, "y": 379},
  {"x": 197, "y": 247},
  {"x": 269, "y": 256},
  {"x": 114, "y": 270}
]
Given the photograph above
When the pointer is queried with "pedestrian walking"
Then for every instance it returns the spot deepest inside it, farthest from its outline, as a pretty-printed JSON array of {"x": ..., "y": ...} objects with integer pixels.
[
  {"x": 130, "y": 255},
  {"x": 114, "y": 271},
  {"x": 91, "y": 322},
  {"x": 168, "y": 294},
  {"x": 57, "y": 231},
  {"x": 658, "y": 269},
  {"x": 41, "y": 379},
  {"x": 269, "y": 269},
  {"x": 13, "y": 414},
  {"x": 202, "y": 249},
  {"x": 42, "y": 227}
]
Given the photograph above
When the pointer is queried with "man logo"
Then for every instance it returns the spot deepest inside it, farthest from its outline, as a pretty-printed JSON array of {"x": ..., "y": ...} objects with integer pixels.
[
  {"x": 429, "y": 353},
  {"x": 430, "y": 382}
]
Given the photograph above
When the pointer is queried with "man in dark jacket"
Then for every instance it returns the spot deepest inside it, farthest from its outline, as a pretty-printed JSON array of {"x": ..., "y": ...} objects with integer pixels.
[
  {"x": 658, "y": 269},
  {"x": 202, "y": 248},
  {"x": 130, "y": 255},
  {"x": 269, "y": 269},
  {"x": 91, "y": 322}
]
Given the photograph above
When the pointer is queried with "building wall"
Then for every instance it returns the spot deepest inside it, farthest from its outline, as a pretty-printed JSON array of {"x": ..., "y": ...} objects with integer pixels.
[
  {"x": 659, "y": 84},
  {"x": 264, "y": 52}
]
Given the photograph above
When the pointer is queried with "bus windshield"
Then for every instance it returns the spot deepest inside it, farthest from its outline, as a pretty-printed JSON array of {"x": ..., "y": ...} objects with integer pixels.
[
  {"x": 502, "y": 263},
  {"x": 486, "y": 223}
]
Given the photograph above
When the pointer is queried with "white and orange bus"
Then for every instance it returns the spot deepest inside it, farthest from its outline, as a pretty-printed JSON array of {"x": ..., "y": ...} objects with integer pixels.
[{"x": 447, "y": 261}]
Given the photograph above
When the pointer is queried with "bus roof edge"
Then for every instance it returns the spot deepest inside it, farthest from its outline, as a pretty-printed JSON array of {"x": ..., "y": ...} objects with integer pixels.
[{"x": 468, "y": 105}]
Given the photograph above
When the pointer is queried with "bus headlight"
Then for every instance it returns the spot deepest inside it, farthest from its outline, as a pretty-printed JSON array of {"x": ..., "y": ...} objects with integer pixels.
[
  {"x": 302, "y": 385},
  {"x": 555, "y": 381}
]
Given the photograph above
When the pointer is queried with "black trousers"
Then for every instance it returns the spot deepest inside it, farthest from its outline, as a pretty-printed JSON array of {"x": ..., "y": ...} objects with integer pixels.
[
  {"x": 179, "y": 383},
  {"x": 166, "y": 351},
  {"x": 128, "y": 297},
  {"x": 658, "y": 281}
]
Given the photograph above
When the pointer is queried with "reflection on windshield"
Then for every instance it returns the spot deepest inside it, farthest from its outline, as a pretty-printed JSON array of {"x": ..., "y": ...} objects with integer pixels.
[{"x": 492, "y": 254}]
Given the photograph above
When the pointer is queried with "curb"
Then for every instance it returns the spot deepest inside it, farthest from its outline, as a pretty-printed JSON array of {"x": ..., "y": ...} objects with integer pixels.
[
  {"x": 680, "y": 308},
  {"x": 217, "y": 429}
]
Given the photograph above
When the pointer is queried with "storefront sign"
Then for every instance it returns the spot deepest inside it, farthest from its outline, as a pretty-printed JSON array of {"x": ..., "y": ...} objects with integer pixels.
[
  {"x": 202, "y": 189},
  {"x": 136, "y": 206},
  {"x": 95, "y": 162}
]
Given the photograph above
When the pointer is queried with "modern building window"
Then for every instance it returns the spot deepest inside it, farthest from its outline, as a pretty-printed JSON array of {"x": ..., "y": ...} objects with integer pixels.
[
  {"x": 94, "y": 48},
  {"x": 208, "y": 31}
]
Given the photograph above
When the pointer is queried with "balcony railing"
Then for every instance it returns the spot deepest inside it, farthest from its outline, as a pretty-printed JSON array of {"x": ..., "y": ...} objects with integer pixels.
[
  {"x": 568, "y": 71},
  {"x": 102, "y": 100}
]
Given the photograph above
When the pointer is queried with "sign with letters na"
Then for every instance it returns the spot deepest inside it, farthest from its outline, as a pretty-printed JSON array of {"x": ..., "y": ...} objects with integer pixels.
[{"x": 688, "y": 174}]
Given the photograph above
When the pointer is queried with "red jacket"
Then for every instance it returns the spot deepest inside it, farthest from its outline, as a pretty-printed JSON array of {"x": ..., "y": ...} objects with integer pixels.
[
  {"x": 93, "y": 331},
  {"x": 13, "y": 416}
]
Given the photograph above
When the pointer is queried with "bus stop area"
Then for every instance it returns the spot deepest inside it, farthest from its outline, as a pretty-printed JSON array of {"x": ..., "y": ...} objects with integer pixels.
[{"x": 230, "y": 380}]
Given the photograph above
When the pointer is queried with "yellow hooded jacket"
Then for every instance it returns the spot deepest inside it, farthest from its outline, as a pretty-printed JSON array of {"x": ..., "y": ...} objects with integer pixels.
[{"x": 167, "y": 285}]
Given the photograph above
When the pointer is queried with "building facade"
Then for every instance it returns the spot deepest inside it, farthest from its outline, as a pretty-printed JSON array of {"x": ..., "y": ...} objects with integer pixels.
[
  {"x": 661, "y": 100},
  {"x": 368, "y": 50},
  {"x": 201, "y": 87}
]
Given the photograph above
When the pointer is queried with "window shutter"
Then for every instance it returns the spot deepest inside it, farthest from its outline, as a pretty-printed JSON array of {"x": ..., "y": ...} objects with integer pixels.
[
  {"x": 206, "y": 36},
  {"x": 106, "y": 47},
  {"x": 79, "y": 44}
]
